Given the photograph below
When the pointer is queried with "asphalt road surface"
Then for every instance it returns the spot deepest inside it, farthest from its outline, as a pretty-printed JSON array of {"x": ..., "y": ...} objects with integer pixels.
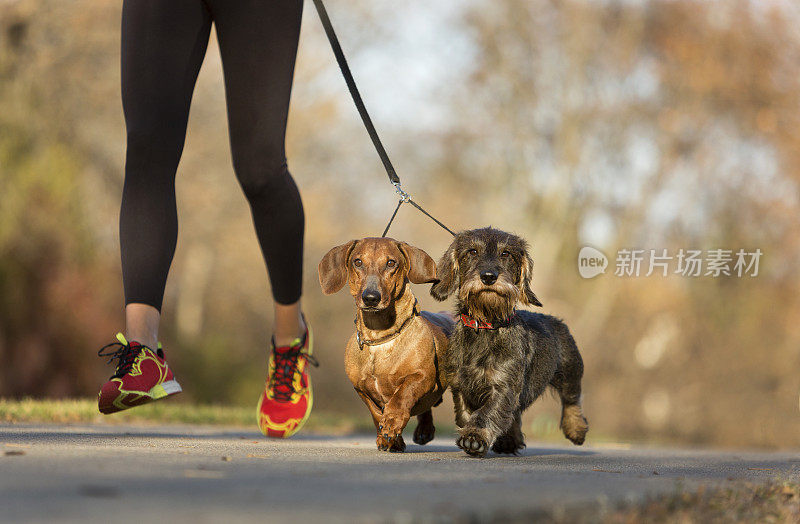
[{"x": 186, "y": 474}]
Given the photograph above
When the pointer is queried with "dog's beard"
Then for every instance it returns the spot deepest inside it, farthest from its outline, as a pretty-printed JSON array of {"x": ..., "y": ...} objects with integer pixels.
[{"x": 488, "y": 303}]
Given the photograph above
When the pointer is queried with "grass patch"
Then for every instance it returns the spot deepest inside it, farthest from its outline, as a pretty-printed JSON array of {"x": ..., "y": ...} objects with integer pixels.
[
  {"x": 774, "y": 501},
  {"x": 84, "y": 411},
  {"x": 740, "y": 501}
]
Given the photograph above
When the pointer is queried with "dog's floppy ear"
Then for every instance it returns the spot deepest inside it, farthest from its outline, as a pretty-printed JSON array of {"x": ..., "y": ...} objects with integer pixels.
[
  {"x": 333, "y": 268},
  {"x": 446, "y": 275},
  {"x": 421, "y": 267},
  {"x": 526, "y": 272}
]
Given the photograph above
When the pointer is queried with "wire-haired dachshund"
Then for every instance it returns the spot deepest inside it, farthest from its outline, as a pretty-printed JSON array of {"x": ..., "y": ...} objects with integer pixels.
[
  {"x": 500, "y": 360},
  {"x": 393, "y": 357}
]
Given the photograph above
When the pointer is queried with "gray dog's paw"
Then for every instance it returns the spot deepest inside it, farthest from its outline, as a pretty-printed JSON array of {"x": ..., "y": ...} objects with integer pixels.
[
  {"x": 508, "y": 445},
  {"x": 473, "y": 442}
]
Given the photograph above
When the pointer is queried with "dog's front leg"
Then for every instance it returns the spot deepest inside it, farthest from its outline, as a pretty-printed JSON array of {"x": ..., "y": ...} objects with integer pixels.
[
  {"x": 425, "y": 428},
  {"x": 492, "y": 419},
  {"x": 374, "y": 410},
  {"x": 377, "y": 416},
  {"x": 462, "y": 415},
  {"x": 398, "y": 410},
  {"x": 512, "y": 440}
]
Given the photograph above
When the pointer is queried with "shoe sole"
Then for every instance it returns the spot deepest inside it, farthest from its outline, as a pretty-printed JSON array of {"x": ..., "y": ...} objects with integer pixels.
[
  {"x": 131, "y": 399},
  {"x": 310, "y": 398},
  {"x": 165, "y": 389}
]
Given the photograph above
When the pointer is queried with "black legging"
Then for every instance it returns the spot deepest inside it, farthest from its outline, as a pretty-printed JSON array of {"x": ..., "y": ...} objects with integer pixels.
[{"x": 163, "y": 45}]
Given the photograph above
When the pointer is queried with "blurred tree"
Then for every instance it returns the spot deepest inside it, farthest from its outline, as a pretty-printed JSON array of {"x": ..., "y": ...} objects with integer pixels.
[{"x": 661, "y": 125}]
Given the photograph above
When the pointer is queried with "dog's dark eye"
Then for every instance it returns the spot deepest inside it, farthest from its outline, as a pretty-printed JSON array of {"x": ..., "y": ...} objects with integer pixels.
[
  {"x": 357, "y": 262},
  {"x": 390, "y": 263},
  {"x": 505, "y": 254},
  {"x": 472, "y": 251}
]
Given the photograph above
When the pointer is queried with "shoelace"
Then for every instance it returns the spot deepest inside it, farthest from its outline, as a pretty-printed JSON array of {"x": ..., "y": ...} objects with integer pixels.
[
  {"x": 124, "y": 354},
  {"x": 285, "y": 369}
]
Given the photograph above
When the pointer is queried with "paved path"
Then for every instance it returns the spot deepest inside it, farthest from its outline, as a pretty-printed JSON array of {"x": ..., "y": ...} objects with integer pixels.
[{"x": 185, "y": 474}]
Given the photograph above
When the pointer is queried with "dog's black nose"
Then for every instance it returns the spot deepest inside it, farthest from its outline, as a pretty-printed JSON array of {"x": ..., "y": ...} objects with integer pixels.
[
  {"x": 371, "y": 297},
  {"x": 488, "y": 277}
]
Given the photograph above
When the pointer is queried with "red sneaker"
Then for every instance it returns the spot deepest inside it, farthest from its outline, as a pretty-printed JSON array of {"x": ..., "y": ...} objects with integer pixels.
[
  {"x": 286, "y": 402},
  {"x": 142, "y": 375}
]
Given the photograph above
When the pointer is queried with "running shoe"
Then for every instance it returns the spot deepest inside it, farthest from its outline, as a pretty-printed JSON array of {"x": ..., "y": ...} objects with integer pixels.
[
  {"x": 142, "y": 375},
  {"x": 286, "y": 402}
]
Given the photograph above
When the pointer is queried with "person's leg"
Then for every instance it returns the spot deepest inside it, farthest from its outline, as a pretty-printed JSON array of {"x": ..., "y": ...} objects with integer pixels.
[
  {"x": 141, "y": 324},
  {"x": 258, "y": 44},
  {"x": 163, "y": 45},
  {"x": 288, "y": 324}
]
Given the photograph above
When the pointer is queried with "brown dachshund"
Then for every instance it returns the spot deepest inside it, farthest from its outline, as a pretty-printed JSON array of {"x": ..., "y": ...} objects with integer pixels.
[{"x": 394, "y": 357}]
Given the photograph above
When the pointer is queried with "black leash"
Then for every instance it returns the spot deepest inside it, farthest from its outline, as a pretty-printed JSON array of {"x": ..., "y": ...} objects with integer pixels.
[{"x": 362, "y": 110}]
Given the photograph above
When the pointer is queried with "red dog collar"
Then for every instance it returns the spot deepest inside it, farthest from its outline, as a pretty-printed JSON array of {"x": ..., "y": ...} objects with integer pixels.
[{"x": 480, "y": 324}]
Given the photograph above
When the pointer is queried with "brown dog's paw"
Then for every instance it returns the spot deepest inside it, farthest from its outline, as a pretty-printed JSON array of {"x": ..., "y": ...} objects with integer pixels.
[
  {"x": 390, "y": 434},
  {"x": 424, "y": 434},
  {"x": 508, "y": 445},
  {"x": 473, "y": 441},
  {"x": 392, "y": 443},
  {"x": 574, "y": 424}
]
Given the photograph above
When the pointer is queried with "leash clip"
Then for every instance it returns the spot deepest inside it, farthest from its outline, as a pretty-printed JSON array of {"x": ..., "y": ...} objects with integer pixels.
[{"x": 404, "y": 197}]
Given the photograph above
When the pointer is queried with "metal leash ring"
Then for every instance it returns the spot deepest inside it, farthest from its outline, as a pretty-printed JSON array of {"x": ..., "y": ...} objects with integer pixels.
[{"x": 404, "y": 197}]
